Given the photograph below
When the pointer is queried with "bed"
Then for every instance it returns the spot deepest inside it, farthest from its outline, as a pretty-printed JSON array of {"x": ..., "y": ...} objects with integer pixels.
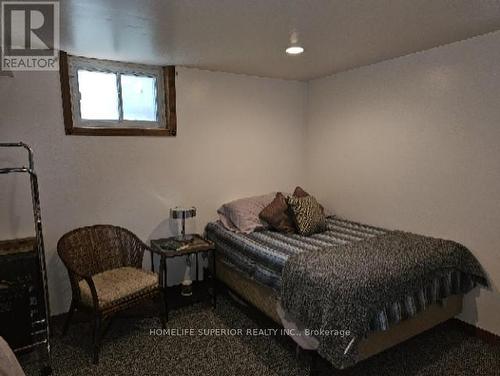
[{"x": 252, "y": 265}]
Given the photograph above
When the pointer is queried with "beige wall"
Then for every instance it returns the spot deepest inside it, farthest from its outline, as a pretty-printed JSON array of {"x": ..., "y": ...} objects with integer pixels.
[
  {"x": 414, "y": 143},
  {"x": 237, "y": 135}
]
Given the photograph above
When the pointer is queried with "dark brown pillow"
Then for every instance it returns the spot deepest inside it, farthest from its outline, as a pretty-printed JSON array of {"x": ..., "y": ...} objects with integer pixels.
[
  {"x": 307, "y": 215},
  {"x": 277, "y": 216},
  {"x": 299, "y": 192}
]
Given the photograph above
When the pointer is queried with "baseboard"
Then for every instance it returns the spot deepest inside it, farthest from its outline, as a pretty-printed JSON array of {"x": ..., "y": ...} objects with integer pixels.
[{"x": 475, "y": 331}]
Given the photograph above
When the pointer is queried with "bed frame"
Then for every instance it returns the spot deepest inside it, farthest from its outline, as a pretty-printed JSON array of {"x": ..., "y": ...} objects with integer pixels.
[{"x": 265, "y": 300}]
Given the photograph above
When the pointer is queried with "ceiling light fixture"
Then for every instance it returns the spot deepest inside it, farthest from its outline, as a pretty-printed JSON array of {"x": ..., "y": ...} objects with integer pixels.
[{"x": 294, "y": 48}]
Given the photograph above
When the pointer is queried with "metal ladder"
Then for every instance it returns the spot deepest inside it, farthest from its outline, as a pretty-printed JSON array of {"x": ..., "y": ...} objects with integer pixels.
[{"x": 40, "y": 249}]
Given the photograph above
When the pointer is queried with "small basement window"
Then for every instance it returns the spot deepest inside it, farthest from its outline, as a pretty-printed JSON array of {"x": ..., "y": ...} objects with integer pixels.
[{"x": 102, "y": 97}]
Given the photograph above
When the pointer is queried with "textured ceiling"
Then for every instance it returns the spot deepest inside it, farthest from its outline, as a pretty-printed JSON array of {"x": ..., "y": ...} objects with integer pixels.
[{"x": 250, "y": 36}]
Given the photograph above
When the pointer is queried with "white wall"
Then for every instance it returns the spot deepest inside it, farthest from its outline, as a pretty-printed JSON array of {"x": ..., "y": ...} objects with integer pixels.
[
  {"x": 237, "y": 135},
  {"x": 414, "y": 143}
]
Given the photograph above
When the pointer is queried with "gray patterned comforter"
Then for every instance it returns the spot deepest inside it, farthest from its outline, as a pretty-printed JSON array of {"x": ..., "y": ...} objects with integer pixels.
[
  {"x": 262, "y": 256},
  {"x": 342, "y": 288}
]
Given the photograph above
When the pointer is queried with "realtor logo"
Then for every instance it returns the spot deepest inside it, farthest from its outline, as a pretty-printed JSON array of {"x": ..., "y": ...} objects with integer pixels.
[{"x": 30, "y": 35}]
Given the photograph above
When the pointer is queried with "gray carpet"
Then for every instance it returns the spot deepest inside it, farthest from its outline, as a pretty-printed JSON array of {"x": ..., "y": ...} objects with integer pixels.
[{"x": 129, "y": 349}]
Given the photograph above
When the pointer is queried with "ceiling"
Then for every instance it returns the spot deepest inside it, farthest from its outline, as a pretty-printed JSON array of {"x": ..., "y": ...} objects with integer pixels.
[{"x": 250, "y": 36}]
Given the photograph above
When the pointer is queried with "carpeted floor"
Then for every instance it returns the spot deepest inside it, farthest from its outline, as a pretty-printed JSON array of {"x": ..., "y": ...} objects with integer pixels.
[{"x": 129, "y": 349}]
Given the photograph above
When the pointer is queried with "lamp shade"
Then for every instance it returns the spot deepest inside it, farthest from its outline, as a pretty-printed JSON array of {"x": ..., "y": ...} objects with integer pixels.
[{"x": 183, "y": 213}]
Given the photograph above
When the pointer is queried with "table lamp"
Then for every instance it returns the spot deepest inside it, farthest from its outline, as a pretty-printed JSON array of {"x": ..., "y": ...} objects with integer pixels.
[{"x": 183, "y": 213}]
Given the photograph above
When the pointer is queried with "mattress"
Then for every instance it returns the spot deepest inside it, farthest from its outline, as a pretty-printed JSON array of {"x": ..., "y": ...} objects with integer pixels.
[{"x": 262, "y": 255}]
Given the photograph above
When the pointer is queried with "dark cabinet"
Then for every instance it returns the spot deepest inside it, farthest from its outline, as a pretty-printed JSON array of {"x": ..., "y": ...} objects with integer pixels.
[{"x": 21, "y": 304}]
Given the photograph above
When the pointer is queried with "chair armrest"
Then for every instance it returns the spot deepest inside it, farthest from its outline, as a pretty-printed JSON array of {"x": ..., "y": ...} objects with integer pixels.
[
  {"x": 93, "y": 292},
  {"x": 152, "y": 250},
  {"x": 143, "y": 246},
  {"x": 77, "y": 273},
  {"x": 87, "y": 278}
]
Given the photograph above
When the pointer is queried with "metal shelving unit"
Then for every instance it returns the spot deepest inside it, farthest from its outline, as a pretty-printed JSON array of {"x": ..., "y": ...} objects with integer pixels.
[{"x": 40, "y": 328}]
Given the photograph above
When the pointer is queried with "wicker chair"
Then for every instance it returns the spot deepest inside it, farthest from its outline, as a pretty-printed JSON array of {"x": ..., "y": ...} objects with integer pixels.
[{"x": 104, "y": 264}]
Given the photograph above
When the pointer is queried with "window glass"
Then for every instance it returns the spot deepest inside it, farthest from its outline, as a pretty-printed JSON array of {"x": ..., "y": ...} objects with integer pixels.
[
  {"x": 98, "y": 95},
  {"x": 113, "y": 98},
  {"x": 138, "y": 98}
]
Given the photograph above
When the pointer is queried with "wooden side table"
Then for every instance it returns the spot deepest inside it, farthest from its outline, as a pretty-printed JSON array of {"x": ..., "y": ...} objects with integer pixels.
[{"x": 198, "y": 245}]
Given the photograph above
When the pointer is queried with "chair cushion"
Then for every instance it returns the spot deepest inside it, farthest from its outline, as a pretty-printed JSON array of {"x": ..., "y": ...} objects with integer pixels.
[{"x": 119, "y": 284}]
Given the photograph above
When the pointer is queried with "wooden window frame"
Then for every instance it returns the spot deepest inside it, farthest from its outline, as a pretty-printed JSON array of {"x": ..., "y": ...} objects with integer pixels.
[{"x": 169, "y": 128}]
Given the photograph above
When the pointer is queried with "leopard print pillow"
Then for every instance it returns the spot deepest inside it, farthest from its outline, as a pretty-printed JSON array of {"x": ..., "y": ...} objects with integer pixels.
[{"x": 307, "y": 215}]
